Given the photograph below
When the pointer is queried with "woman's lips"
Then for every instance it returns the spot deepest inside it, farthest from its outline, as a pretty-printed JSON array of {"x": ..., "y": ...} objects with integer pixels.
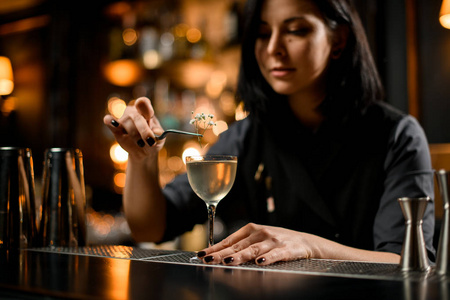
[{"x": 281, "y": 72}]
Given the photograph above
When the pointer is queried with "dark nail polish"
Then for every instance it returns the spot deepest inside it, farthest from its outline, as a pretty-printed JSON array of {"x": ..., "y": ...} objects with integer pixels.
[
  {"x": 228, "y": 260},
  {"x": 209, "y": 259},
  {"x": 261, "y": 260},
  {"x": 150, "y": 141},
  {"x": 115, "y": 123},
  {"x": 141, "y": 143},
  {"x": 201, "y": 253}
]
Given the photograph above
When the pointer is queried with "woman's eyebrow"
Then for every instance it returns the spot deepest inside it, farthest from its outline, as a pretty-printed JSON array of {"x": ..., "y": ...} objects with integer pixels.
[
  {"x": 293, "y": 19},
  {"x": 289, "y": 20}
]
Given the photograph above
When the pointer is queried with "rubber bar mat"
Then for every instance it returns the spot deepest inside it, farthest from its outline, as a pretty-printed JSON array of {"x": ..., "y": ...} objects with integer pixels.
[{"x": 338, "y": 268}]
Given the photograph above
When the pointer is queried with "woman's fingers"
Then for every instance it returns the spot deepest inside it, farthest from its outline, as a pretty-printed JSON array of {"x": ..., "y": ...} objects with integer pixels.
[
  {"x": 135, "y": 130},
  {"x": 229, "y": 241},
  {"x": 254, "y": 252},
  {"x": 113, "y": 125},
  {"x": 151, "y": 126},
  {"x": 137, "y": 126},
  {"x": 274, "y": 255},
  {"x": 246, "y": 244},
  {"x": 262, "y": 244},
  {"x": 144, "y": 107}
]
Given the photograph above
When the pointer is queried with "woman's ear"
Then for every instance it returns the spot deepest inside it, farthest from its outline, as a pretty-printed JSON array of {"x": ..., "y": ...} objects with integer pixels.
[{"x": 340, "y": 36}]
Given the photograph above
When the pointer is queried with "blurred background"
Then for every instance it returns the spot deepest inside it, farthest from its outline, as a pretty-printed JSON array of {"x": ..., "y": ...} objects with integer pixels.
[{"x": 74, "y": 61}]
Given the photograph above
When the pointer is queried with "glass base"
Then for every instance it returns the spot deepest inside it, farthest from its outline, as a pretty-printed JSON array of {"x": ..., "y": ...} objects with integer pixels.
[{"x": 195, "y": 260}]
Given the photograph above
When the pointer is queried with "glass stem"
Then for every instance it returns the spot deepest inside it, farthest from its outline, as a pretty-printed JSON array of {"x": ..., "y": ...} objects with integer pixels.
[{"x": 211, "y": 215}]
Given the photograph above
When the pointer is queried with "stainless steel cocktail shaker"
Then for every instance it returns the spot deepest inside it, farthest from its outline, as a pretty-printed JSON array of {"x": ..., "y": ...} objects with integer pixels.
[
  {"x": 63, "y": 221},
  {"x": 18, "y": 226}
]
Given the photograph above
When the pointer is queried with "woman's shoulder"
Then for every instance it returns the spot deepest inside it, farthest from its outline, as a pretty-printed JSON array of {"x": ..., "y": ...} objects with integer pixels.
[
  {"x": 396, "y": 124},
  {"x": 384, "y": 111},
  {"x": 382, "y": 114}
]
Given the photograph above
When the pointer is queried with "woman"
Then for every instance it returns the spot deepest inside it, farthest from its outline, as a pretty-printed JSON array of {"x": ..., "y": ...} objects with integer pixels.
[{"x": 321, "y": 159}]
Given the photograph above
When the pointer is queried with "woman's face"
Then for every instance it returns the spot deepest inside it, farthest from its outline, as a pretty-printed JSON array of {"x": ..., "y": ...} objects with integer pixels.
[{"x": 293, "y": 47}]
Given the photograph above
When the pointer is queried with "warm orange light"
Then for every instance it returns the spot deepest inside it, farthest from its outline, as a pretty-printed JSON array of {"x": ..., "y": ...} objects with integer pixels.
[
  {"x": 216, "y": 84},
  {"x": 118, "y": 154},
  {"x": 6, "y": 76},
  {"x": 193, "y": 74},
  {"x": 116, "y": 106},
  {"x": 180, "y": 30},
  {"x": 117, "y": 280},
  {"x": 124, "y": 72},
  {"x": 119, "y": 179},
  {"x": 240, "y": 113},
  {"x": 190, "y": 151},
  {"x": 129, "y": 36},
  {"x": 227, "y": 103},
  {"x": 8, "y": 105},
  {"x": 193, "y": 35},
  {"x": 444, "y": 15},
  {"x": 221, "y": 126},
  {"x": 175, "y": 163}
]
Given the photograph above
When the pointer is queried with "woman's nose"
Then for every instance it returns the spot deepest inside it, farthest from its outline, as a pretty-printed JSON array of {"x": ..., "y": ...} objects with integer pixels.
[{"x": 276, "y": 46}]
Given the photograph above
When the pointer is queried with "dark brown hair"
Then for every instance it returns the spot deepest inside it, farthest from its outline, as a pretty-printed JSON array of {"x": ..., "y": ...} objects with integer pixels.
[{"x": 352, "y": 80}]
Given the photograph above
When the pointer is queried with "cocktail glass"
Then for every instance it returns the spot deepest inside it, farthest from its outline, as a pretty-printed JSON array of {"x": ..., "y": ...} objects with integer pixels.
[{"x": 211, "y": 177}]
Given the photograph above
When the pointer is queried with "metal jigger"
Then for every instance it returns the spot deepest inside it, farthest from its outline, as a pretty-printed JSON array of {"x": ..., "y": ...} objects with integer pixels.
[
  {"x": 414, "y": 254},
  {"x": 443, "y": 254}
]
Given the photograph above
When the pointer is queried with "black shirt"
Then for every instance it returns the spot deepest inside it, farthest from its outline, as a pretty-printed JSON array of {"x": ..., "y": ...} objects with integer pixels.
[{"x": 341, "y": 182}]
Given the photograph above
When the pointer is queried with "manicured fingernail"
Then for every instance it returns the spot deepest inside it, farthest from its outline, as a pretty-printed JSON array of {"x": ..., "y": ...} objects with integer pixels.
[
  {"x": 150, "y": 141},
  {"x": 261, "y": 260},
  {"x": 141, "y": 143},
  {"x": 201, "y": 253},
  {"x": 209, "y": 259},
  {"x": 228, "y": 260},
  {"x": 115, "y": 123}
]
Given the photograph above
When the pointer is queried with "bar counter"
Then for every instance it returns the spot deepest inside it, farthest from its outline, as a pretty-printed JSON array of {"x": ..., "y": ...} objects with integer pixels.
[{"x": 120, "y": 272}]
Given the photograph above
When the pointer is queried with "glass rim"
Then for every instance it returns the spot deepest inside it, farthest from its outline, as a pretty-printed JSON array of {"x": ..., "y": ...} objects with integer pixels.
[
  {"x": 441, "y": 171},
  {"x": 61, "y": 149},
  {"x": 405, "y": 199},
  {"x": 13, "y": 148},
  {"x": 210, "y": 157}
]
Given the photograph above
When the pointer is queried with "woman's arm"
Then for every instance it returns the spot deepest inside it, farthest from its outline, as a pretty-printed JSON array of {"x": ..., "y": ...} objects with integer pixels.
[
  {"x": 143, "y": 201},
  {"x": 266, "y": 245},
  {"x": 408, "y": 174}
]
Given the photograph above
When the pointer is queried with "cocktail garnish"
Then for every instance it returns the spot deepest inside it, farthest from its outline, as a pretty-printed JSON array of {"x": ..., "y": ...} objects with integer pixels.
[{"x": 201, "y": 121}]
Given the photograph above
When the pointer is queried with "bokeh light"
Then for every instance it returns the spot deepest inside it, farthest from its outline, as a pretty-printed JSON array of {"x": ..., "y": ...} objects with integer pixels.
[
  {"x": 189, "y": 152},
  {"x": 119, "y": 179},
  {"x": 118, "y": 154},
  {"x": 152, "y": 59},
  {"x": 220, "y": 127},
  {"x": 129, "y": 36},
  {"x": 116, "y": 106},
  {"x": 193, "y": 35},
  {"x": 175, "y": 163},
  {"x": 240, "y": 113}
]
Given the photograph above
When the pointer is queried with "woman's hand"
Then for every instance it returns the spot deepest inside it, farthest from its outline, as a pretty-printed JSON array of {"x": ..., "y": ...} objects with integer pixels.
[
  {"x": 262, "y": 244},
  {"x": 135, "y": 130},
  {"x": 266, "y": 245},
  {"x": 143, "y": 202}
]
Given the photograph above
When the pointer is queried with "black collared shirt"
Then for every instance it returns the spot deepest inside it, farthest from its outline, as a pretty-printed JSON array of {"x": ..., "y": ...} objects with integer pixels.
[{"x": 341, "y": 182}]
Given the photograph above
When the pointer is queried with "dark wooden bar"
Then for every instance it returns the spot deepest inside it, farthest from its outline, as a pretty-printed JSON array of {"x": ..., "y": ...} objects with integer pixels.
[{"x": 117, "y": 272}]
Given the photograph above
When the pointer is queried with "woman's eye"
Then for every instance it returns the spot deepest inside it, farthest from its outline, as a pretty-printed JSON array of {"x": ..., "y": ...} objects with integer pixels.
[{"x": 300, "y": 31}]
